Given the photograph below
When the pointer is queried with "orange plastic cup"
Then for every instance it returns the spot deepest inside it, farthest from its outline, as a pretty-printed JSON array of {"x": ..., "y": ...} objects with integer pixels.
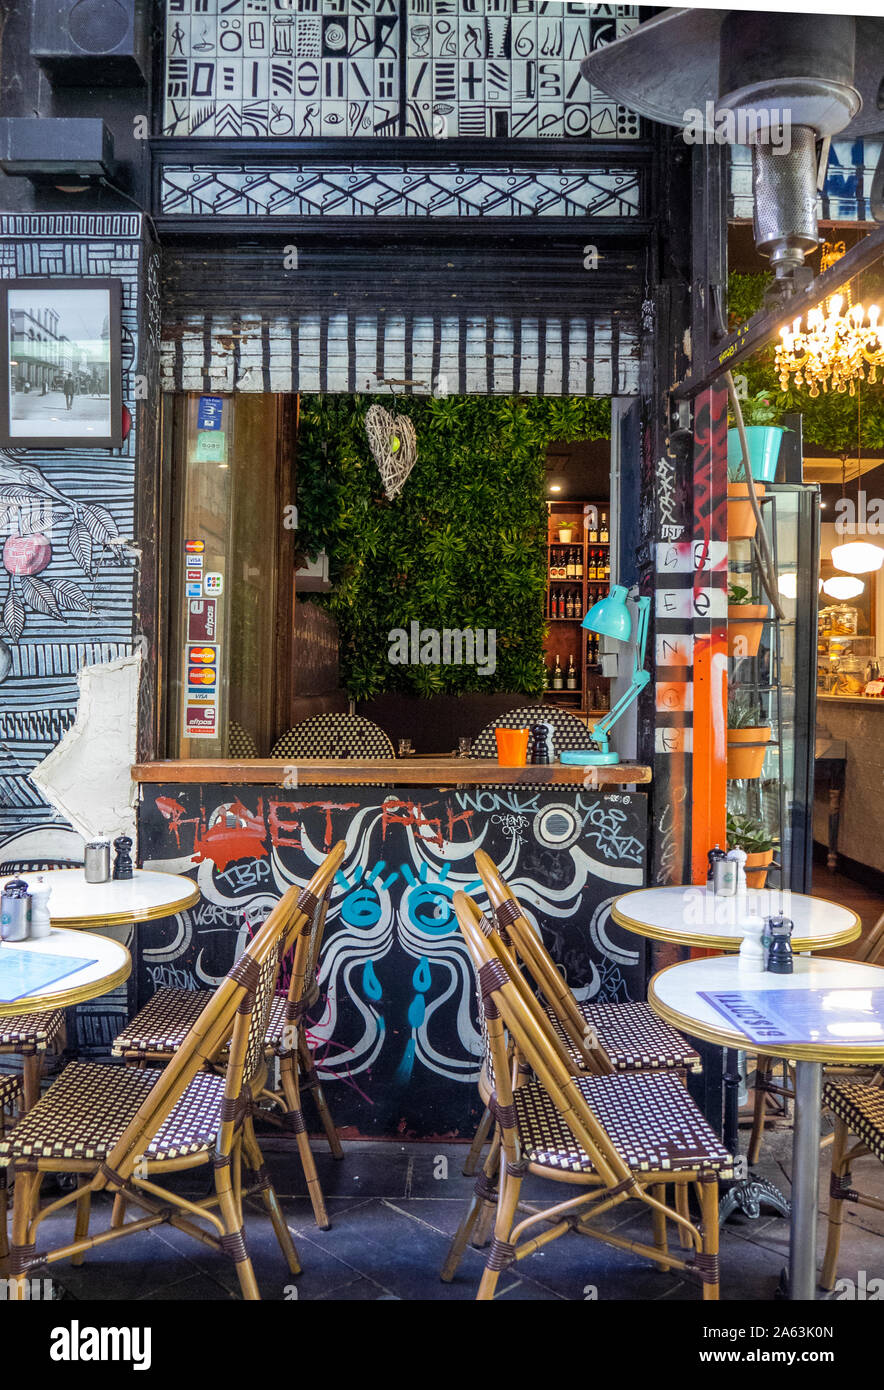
[{"x": 512, "y": 747}]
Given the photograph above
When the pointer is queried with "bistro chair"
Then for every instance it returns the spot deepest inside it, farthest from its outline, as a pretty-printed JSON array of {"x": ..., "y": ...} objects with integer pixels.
[
  {"x": 773, "y": 1096},
  {"x": 598, "y": 1038},
  {"x": 621, "y": 1136},
  {"x": 858, "y": 1107},
  {"x": 334, "y": 736},
  {"x": 120, "y": 1130},
  {"x": 240, "y": 743},
  {"x": 568, "y": 731},
  {"x": 158, "y": 1030},
  {"x": 30, "y": 1036}
]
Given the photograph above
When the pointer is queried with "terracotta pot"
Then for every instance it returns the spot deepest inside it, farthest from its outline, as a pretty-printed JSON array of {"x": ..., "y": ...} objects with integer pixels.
[
  {"x": 745, "y": 761},
  {"x": 740, "y": 516},
  {"x": 756, "y": 868},
  {"x": 745, "y": 624}
]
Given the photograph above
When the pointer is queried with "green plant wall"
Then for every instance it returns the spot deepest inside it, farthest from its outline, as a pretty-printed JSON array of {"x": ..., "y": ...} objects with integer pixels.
[
  {"x": 462, "y": 546},
  {"x": 830, "y": 420}
]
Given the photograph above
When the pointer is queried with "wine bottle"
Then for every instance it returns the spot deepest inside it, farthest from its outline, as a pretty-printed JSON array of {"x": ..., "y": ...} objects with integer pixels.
[
  {"x": 604, "y": 531},
  {"x": 606, "y": 570},
  {"x": 579, "y": 564},
  {"x": 571, "y": 678},
  {"x": 557, "y": 676},
  {"x": 593, "y": 533}
]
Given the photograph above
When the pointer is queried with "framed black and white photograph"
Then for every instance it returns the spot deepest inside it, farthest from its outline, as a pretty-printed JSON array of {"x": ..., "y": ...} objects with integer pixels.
[{"x": 61, "y": 364}]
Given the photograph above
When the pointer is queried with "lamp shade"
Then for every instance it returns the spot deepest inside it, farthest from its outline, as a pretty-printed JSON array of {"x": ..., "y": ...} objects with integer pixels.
[
  {"x": 843, "y": 586},
  {"x": 858, "y": 557},
  {"x": 610, "y": 617}
]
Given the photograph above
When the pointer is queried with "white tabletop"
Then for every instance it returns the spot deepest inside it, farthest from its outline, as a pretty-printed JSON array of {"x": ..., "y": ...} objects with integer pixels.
[
  {"x": 674, "y": 994},
  {"x": 691, "y": 916},
  {"x": 78, "y": 904},
  {"x": 111, "y": 965}
]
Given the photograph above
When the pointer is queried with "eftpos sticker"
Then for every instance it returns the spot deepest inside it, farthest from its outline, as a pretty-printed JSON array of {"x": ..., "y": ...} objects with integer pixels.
[
  {"x": 199, "y": 720},
  {"x": 201, "y": 620},
  {"x": 213, "y": 583},
  {"x": 193, "y": 576},
  {"x": 209, "y": 412}
]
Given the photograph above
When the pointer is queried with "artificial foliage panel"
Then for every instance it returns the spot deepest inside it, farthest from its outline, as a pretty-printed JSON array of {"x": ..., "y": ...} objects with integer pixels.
[{"x": 463, "y": 546}]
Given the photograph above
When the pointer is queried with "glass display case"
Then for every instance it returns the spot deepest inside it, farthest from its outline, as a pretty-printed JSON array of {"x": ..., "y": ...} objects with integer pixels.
[{"x": 777, "y": 678}]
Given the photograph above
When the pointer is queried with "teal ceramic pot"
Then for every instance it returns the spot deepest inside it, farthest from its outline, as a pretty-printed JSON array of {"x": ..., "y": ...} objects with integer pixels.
[{"x": 764, "y": 450}]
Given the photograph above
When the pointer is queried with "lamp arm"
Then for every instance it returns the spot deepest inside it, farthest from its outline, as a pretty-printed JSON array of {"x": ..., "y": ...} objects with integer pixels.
[
  {"x": 601, "y": 730},
  {"x": 643, "y": 612}
]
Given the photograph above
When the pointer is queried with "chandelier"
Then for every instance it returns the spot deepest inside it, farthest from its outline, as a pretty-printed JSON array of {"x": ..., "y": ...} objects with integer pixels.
[{"x": 838, "y": 347}]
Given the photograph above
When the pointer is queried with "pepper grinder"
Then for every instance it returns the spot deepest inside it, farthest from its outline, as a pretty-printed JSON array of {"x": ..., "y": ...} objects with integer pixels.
[
  {"x": 780, "y": 959},
  {"x": 542, "y": 751},
  {"x": 41, "y": 923},
  {"x": 122, "y": 858}
]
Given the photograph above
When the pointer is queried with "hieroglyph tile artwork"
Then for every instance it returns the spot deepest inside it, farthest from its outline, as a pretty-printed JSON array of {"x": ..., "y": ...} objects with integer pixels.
[{"x": 496, "y": 69}]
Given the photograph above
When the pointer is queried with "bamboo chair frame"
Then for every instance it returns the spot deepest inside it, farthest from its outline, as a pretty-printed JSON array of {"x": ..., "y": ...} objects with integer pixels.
[
  {"x": 772, "y": 1098},
  {"x": 297, "y": 1068},
  {"x": 507, "y": 1008},
  {"x": 234, "y": 1015}
]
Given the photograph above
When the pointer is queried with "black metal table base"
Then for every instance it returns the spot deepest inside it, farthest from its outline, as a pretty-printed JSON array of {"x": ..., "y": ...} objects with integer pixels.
[{"x": 749, "y": 1195}]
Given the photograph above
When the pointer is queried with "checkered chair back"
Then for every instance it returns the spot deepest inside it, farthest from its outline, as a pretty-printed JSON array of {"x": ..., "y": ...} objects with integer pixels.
[
  {"x": 519, "y": 937},
  {"x": 334, "y": 736},
  {"x": 511, "y": 1010}
]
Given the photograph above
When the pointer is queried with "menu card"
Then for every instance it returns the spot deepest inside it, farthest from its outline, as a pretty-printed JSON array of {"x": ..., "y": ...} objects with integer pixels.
[
  {"x": 24, "y": 972},
  {"x": 773, "y": 1017}
]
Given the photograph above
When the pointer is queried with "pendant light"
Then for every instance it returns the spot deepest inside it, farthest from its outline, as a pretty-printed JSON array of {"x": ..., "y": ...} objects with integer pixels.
[
  {"x": 843, "y": 586},
  {"x": 857, "y": 557}
]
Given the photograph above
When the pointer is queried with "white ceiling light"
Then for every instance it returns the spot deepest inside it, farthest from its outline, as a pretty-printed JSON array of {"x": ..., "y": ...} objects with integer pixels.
[
  {"x": 858, "y": 557},
  {"x": 788, "y": 585},
  {"x": 843, "y": 586}
]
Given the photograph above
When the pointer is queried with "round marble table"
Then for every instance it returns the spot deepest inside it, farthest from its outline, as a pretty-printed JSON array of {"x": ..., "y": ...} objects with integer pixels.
[
  {"x": 106, "y": 964},
  {"x": 76, "y": 904},
  {"x": 676, "y": 995},
  {"x": 688, "y": 915}
]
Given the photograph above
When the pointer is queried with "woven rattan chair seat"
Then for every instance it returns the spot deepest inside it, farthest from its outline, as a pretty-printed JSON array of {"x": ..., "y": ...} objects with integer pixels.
[
  {"x": 649, "y": 1116},
  {"x": 31, "y": 1032},
  {"x": 86, "y": 1110},
  {"x": 861, "y": 1108},
  {"x": 10, "y": 1087},
  {"x": 635, "y": 1039},
  {"x": 166, "y": 1019}
]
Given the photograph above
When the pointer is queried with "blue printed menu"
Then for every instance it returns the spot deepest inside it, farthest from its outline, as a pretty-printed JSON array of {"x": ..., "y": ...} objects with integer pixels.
[
  {"x": 24, "y": 972},
  {"x": 774, "y": 1017}
]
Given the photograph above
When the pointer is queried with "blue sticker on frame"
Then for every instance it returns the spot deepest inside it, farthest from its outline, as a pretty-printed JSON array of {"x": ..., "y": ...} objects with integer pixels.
[{"x": 209, "y": 412}]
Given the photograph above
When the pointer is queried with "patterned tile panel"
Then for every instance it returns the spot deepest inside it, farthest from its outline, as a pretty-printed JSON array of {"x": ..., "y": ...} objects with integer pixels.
[
  {"x": 319, "y": 191},
  {"x": 496, "y": 69},
  {"x": 847, "y": 191}
]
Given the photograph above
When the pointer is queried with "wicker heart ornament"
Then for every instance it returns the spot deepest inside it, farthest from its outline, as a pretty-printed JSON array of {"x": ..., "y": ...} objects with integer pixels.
[{"x": 394, "y": 445}]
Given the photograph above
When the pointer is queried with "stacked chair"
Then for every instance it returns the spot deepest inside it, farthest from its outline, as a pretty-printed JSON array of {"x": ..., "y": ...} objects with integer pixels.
[
  {"x": 156, "y": 1033},
  {"x": 597, "y": 1038},
  {"x": 614, "y": 1136},
  {"x": 120, "y": 1130}
]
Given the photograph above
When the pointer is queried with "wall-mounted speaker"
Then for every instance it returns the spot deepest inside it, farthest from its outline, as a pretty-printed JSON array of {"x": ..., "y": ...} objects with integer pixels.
[{"x": 90, "y": 43}]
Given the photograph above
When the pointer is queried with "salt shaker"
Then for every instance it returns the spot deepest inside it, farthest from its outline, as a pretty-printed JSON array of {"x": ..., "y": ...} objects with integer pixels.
[
  {"x": 41, "y": 924},
  {"x": 752, "y": 950},
  {"x": 122, "y": 858},
  {"x": 724, "y": 877},
  {"x": 738, "y": 857}
]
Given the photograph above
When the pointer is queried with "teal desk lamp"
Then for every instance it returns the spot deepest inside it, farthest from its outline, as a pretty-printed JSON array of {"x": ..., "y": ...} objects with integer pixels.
[{"x": 610, "y": 617}]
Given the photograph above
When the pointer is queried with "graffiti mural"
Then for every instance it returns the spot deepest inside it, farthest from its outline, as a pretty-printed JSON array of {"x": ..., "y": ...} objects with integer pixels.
[{"x": 397, "y": 1036}]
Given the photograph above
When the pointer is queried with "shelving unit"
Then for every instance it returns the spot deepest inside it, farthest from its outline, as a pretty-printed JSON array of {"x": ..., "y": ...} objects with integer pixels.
[{"x": 566, "y": 639}]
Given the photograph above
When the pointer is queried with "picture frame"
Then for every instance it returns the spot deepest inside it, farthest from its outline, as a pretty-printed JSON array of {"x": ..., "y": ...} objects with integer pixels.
[{"x": 60, "y": 363}]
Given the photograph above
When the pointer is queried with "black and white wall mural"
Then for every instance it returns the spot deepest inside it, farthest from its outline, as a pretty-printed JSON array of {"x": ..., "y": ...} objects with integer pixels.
[
  {"x": 66, "y": 528},
  {"x": 493, "y": 69}
]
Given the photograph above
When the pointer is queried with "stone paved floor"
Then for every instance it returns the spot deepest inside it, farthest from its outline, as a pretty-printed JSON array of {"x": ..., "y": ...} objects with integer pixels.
[{"x": 394, "y": 1208}]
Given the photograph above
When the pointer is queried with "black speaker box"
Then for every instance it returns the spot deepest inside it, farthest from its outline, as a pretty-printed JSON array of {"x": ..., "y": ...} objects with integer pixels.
[{"x": 90, "y": 43}]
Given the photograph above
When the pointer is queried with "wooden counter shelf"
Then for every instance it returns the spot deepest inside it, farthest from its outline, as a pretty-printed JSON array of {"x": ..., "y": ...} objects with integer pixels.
[{"x": 427, "y": 771}]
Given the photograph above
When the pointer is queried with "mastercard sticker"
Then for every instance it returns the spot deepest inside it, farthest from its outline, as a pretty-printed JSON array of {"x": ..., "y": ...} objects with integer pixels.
[
  {"x": 202, "y": 675},
  {"x": 205, "y": 656},
  {"x": 194, "y": 547}
]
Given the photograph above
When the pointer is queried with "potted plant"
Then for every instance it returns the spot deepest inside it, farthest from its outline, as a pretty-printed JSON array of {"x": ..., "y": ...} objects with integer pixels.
[
  {"x": 763, "y": 436},
  {"x": 744, "y": 833},
  {"x": 740, "y": 516},
  {"x": 566, "y": 534},
  {"x": 745, "y": 622},
  {"x": 746, "y": 737}
]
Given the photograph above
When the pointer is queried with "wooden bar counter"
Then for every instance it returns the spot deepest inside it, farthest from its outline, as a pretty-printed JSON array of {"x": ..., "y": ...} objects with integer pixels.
[{"x": 411, "y": 772}]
